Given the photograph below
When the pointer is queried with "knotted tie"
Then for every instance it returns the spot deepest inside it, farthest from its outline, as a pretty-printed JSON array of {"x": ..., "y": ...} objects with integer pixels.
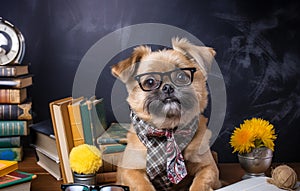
[{"x": 165, "y": 145}]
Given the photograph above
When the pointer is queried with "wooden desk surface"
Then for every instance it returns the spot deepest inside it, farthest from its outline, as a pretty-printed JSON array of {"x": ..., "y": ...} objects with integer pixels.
[{"x": 229, "y": 172}]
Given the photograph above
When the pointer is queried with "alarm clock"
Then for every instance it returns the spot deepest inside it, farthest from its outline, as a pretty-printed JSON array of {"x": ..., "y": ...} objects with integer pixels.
[{"x": 12, "y": 44}]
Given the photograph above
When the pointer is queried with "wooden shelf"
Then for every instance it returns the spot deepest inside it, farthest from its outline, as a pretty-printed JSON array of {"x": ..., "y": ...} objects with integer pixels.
[{"x": 229, "y": 172}]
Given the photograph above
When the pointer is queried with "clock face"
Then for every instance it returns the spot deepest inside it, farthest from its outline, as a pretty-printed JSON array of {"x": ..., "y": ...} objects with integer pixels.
[{"x": 12, "y": 44}]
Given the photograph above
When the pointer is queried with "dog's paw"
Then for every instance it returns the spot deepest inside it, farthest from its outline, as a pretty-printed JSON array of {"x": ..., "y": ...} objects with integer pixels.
[
  {"x": 200, "y": 187},
  {"x": 143, "y": 188}
]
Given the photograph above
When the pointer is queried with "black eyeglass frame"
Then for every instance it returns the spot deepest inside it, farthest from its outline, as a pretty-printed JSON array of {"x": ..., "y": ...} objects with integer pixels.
[
  {"x": 162, "y": 74},
  {"x": 93, "y": 187}
]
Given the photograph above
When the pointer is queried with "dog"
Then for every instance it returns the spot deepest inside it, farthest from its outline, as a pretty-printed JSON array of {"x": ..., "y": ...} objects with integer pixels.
[{"x": 168, "y": 141}]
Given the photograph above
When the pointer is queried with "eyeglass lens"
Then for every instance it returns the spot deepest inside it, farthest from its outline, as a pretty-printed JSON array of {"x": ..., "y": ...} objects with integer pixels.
[
  {"x": 85, "y": 188},
  {"x": 152, "y": 81}
]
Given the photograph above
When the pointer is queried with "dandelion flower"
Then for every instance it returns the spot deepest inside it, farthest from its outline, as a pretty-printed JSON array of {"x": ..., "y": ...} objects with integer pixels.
[
  {"x": 242, "y": 140},
  {"x": 253, "y": 133}
]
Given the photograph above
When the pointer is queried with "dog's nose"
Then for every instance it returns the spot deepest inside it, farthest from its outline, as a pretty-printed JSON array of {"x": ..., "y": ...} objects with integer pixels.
[{"x": 168, "y": 89}]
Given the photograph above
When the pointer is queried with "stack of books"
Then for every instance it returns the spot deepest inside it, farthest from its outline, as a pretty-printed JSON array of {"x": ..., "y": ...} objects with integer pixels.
[
  {"x": 75, "y": 121},
  {"x": 15, "y": 110},
  {"x": 112, "y": 144},
  {"x": 12, "y": 179},
  {"x": 43, "y": 140}
]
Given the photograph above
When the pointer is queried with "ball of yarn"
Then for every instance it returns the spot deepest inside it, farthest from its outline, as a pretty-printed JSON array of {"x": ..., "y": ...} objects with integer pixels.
[{"x": 284, "y": 177}]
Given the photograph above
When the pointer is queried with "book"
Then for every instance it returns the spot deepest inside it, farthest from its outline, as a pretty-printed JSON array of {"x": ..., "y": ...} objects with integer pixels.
[
  {"x": 252, "y": 184},
  {"x": 13, "y": 95},
  {"x": 16, "y": 181},
  {"x": 47, "y": 163},
  {"x": 93, "y": 119},
  {"x": 76, "y": 122},
  {"x": 12, "y": 154},
  {"x": 112, "y": 148},
  {"x": 110, "y": 162},
  {"x": 116, "y": 133},
  {"x": 7, "y": 167},
  {"x": 17, "y": 82},
  {"x": 24, "y": 186},
  {"x": 107, "y": 177},
  {"x": 13, "y": 70},
  {"x": 63, "y": 134},
  {"x": 13, "y": 128},
  {"x": 16, "y": 111},
  {"x": 43, "y": 138},
  {"x": 10, "y": 141}
]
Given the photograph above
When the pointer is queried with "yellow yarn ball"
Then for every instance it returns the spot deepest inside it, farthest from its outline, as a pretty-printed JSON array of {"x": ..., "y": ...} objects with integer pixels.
[{"x": 85, "y": 159}]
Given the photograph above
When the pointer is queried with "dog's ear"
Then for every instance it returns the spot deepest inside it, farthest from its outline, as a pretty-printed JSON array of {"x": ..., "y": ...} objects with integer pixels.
[
  {"x": 126, "y": 68},
  {"x": 202, "y": 55}
]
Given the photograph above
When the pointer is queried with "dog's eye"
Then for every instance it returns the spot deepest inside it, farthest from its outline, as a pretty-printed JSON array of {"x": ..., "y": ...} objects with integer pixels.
[
  {"x": 181, "y": 78},
  {"x": 150, "y": 82}
]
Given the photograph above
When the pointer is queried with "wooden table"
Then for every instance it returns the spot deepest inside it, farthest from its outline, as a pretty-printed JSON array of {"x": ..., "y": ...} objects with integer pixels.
[{"x": 229, "y": 173}]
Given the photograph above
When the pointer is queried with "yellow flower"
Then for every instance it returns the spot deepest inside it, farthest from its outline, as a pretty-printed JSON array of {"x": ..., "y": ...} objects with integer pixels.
[
  {"x": 85, "y": 159},
  {"x": 251, "y": 134},
  {"x": 242, "y": 140}
]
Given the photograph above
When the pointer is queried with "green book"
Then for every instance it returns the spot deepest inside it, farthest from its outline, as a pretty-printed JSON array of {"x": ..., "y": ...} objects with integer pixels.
[
  {"x": 13, "y": 154},
  {"x": 7, "y": 142},
  {"x": 116, "y": 133},
  {"x": 112, "y": 148},
  {"x": 13, "y": 128},
  {"x": 15, "y": 177},
  {"x": 93, "y": 119}
]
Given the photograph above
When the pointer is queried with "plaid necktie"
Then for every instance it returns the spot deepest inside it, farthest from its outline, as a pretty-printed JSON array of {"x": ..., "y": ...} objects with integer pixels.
[{"x": 165, "y": 145}]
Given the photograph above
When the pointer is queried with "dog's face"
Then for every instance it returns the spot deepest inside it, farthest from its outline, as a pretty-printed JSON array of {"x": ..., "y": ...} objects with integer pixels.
[{"x": 166, "y": 88}]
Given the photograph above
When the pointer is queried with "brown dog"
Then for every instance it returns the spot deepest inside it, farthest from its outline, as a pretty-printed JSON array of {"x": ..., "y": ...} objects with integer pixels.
[{"x": 168, "y": 143}]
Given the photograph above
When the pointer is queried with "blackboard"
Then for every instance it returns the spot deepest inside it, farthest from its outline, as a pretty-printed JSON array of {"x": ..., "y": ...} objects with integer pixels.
[{"x": 257, "y": 45}]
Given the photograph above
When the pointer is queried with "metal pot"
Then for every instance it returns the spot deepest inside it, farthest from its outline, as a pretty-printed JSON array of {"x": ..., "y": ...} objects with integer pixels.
[{"x": 256, "y": 162}]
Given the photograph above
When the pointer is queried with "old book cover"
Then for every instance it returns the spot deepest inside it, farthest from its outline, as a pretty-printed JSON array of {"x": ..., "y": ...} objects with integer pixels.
[
  {"x": 116, "y": 133},
  {"x": 50, "y": 165},
  {"x": 13, "y": 95},
  {"x": 16, "y": 111},
  {"x": 13, "y": 70},
  {"x": 14, "y": 128},
  {"x": 43, "y": 139},
  {"x": 110, "y": 162},
  {"x": 12, "y": 154},
  {"x": 10, "y": 142},
  {"x": 93, "y": 120},
  {"x": 17, "y": 82},
  {"x": 63, "y": 134},
  {"x": 16, "y": 181},
  {"x": 7, "y": 166},
  {"x": 75, "y": 120}
]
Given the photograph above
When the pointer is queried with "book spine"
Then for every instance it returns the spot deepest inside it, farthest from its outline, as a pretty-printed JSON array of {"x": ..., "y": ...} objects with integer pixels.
[
  {"x": 13, "y": 154},
  {"x": 7, "y": 142},
  {"x": 12, "y": 95},
  {"x": 76, "y": 124},
  {"x": 7, "y": 72},
  {"x": 86, "y": 124},
  {"x": 110, "y": 162},
  {"x": 15, "y": 111},
  {"x": 114, "y": 148},
  {"x": 12, "y": 128},
  {"x": 105, "y": 141},
  {"x": 107, "y": 177}
]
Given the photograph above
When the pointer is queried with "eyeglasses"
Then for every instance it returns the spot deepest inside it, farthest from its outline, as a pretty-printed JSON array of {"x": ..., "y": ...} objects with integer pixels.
[
  {"x": 83, "y": 187},
  {"x": 153, "y": 80}
]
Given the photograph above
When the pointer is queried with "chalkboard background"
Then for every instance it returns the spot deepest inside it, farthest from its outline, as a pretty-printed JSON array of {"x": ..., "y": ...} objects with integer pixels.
[{"x": 257, "y": 45}]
